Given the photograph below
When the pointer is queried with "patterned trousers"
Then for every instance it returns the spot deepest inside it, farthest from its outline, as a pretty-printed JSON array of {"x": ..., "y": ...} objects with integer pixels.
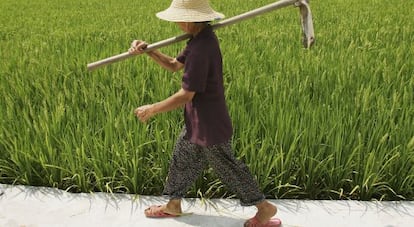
[{"x": 189, "y": 160}]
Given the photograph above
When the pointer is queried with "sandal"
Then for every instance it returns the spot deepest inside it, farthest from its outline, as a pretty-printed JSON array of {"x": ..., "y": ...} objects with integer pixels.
[
  {"x": 157, "y": 212},
  {"x": 253, "y": 222}
]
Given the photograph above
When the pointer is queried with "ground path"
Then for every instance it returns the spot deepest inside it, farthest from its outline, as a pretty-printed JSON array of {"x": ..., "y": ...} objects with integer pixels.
[{"x": 38, "y": 206}]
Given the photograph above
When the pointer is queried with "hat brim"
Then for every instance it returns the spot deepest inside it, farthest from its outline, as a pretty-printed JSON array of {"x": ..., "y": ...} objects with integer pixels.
[{"x": 189, "y": 15}]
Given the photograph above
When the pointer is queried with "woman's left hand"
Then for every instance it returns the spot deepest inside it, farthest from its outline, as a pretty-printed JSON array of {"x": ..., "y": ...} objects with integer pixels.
[{"x": 144, "y": 112}]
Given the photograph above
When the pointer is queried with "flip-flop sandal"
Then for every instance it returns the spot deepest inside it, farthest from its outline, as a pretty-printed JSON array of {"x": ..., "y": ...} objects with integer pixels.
[
  {"x": 157, "y": 212},
  {"x": 253, "y": 222}
]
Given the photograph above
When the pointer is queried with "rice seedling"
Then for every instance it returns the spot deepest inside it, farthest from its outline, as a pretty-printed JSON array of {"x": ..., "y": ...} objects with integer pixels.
[{"x": 333, "y": 122}]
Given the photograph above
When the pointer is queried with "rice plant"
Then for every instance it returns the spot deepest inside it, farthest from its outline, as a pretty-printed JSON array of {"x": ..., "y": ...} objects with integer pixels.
[{"x": 332, "y": 122}]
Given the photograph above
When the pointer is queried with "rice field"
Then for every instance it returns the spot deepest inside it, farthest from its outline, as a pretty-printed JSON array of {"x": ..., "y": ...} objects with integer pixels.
[{"x": 332, "y": 122}]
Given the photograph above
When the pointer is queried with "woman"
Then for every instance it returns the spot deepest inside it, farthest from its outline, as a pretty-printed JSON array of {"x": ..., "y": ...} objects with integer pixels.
[{"x": 206, "y": 137}]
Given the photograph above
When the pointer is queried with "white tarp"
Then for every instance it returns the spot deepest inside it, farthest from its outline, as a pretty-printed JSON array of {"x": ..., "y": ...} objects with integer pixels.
[{"x": 38, "y": 206}]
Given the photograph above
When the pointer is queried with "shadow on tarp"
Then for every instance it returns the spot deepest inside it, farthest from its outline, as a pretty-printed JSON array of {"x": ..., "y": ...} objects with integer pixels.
[
  {"x": 226, "y": 207},
  {"x": 211, "y": 221}
]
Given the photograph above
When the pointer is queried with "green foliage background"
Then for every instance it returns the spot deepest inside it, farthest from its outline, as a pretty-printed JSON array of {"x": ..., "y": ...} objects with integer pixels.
[{"x": 333, "y": 122}]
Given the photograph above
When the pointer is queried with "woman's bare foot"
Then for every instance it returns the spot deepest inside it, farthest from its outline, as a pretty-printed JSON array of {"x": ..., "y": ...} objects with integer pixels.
[
  {"x": 265, "y": 211},
  {"x": 173, "y": 206},
  {"x": 171, "y": 209}
]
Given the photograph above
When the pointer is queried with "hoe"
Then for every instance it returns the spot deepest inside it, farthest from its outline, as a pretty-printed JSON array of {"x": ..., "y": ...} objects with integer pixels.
[{"x": 306, "y": 21}]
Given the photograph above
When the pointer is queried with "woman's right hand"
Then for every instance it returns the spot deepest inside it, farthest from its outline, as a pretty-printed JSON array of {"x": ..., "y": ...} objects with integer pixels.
[{"x": 137, "y": 47}]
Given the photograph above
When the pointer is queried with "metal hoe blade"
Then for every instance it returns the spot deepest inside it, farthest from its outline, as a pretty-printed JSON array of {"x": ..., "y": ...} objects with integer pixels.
[{"x": 307, "y": 23}]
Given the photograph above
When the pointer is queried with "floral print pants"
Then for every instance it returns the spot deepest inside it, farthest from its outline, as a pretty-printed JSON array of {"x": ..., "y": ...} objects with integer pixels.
[{"x": 189, "y": 160}]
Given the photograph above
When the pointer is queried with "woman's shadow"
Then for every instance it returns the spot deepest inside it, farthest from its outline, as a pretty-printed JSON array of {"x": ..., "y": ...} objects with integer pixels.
[
  {"x": 210, "y": 221},
  {"x": 212, "y": 213}
]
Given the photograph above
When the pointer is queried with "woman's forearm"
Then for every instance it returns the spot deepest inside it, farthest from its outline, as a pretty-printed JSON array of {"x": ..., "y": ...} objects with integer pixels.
[
  {"x": 175, "y": 101},
  {"x": 165, "y": 61}
]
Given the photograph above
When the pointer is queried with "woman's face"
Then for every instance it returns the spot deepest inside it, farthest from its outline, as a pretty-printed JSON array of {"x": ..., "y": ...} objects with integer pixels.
[
  {"x": 189, "y": 27},
  {"x": 185, "y": 26}
]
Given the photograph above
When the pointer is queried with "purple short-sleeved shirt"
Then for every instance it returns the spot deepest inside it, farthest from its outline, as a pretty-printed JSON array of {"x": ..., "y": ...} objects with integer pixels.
[{"x": 206, "y": 117}]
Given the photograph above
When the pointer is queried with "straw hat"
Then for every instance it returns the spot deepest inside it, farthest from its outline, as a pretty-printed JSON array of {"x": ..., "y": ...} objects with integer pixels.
[{"x": 189, "y": 11}]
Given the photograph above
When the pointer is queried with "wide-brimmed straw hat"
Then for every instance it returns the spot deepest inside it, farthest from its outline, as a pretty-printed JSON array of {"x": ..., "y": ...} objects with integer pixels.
[{"x": 189, "y": 11}]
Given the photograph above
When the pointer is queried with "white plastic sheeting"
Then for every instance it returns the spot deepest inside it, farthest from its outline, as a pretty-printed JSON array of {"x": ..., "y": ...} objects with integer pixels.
[{"x": 39, "y": 206}]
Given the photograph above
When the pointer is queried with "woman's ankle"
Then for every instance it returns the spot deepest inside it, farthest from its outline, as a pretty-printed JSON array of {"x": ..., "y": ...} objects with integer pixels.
[
  {"x": 265, "y": 211},
  {"x": 174, "y": 205}
]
